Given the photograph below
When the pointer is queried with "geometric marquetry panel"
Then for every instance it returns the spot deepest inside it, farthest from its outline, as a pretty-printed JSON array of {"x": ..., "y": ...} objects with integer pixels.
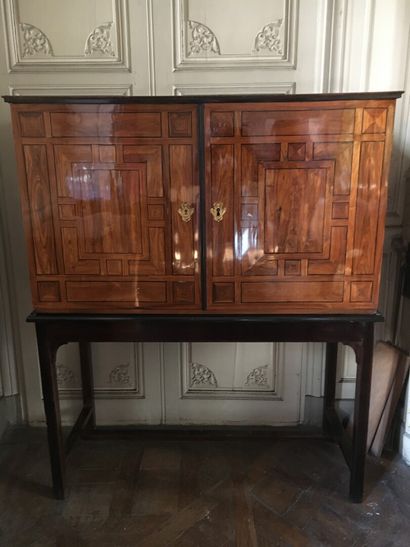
[
  {"x": 302, "y": 189},
  {"x": 342, "y": 155},
  {"x": 41, "y": 236},
  {"x": 113, "y": 209},
  {"x": 361, "y": 291},
  {"x": 374, "y": 120},
  {"x": 105, "y": 223},
  {"x": 295, "y": 204},
  {"x": 48, "y": 291},
  {"x": 294, "y": 196},
  {"x": 292, "y": 217},
  {"x": 335, "y": 262},
  {"x": 32, "y": 124},
  {"x": 108, "y": 212}
]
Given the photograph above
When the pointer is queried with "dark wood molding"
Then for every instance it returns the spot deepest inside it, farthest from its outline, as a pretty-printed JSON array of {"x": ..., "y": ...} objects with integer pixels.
[{"x": 199, "y": 99}]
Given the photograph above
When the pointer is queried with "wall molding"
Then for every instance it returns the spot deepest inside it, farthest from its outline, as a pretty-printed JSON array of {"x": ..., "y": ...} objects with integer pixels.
[
  {"x": 368, "y": 31},
  {"x": 334, "y": 64},
  {"x": 400, "y": 172},
  {"x": 283, "y": 59},
  {"x": 78, "y": 89},
  {"x": 8, "y": 372},
  {"x": 152, "y": 85},
  {"x": 314, "y": 355},
  {"x": 287, "y": 88},
  {"x": 392, "y": 259},
  {"x": 8, "y": 363},
  {"x": 50, "y": 61}
]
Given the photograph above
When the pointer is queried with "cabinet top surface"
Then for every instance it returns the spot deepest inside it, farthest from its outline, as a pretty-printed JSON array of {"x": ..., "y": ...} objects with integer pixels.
[{"x": 79, "y": 99}]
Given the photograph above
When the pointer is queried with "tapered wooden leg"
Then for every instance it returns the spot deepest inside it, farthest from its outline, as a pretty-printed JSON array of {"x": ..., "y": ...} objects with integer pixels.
[
  {"x": 330, "y": 380},
  {"x": 364, "y": 357},
  {"x": 47, "y": 358},
  {"x": 87, "y": 381}
]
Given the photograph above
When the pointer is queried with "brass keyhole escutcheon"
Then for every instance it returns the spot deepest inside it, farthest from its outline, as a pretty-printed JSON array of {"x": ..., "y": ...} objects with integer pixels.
[
  {"x": 218, "y": 210},
  {"x": 186, "y": 210}
]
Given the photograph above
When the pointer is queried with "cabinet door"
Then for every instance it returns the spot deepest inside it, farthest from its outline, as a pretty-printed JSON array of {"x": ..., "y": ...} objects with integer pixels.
[
  {"x": 124, "y": 208},
  {"x": 295, "y": 193}
]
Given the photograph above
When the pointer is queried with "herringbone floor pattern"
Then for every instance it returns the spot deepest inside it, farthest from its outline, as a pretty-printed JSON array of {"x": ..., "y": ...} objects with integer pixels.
[{"x": 199, "y": 493}]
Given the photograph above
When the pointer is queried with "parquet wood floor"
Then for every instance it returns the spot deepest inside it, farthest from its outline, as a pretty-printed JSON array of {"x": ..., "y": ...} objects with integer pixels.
[{"x": 197, "y": 493}]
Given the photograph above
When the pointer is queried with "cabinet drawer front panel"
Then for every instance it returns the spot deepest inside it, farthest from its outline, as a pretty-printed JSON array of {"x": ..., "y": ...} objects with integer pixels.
[
  {"x": 93, "y": 124},
  {"x": 297, "y": 122},
  {"x": 116, "y": 291},
  {"x": 39, "y": 202},
  {"x": 277, "y": 291}
]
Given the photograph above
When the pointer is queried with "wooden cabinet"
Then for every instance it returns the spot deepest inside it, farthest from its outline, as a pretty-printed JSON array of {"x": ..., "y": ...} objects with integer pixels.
[
  {"x": 289, "y": 217},
  {"x": 110, "y": 198}
]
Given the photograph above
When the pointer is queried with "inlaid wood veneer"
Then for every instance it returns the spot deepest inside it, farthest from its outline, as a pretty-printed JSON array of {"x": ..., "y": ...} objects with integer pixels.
[{"x": 253, "y": 204}]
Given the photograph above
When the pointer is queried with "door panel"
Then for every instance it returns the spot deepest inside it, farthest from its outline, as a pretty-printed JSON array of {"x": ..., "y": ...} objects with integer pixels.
[
  {"x": 117, "y": 214},
  {"x": 297, "y": 230}
]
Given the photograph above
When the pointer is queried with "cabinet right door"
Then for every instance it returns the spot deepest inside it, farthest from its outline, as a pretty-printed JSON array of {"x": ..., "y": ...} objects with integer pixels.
[{"x": 296, "y": 196}]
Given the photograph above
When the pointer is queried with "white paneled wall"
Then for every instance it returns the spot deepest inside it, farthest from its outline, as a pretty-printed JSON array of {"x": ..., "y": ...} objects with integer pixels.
[{"x": 142, "y": 47}]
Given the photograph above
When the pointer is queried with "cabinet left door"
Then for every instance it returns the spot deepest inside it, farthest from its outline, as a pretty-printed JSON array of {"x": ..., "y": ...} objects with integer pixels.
[{"x": 110, "y": 204}]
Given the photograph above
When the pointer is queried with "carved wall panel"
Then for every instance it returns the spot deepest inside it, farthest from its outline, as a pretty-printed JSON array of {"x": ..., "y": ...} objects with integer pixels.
[
  {"x": 53, "y": 36},
  {"x": 119, "y": 371},
  {"x": 204, "y": 39},
  {"x": 231, "y": 370}
]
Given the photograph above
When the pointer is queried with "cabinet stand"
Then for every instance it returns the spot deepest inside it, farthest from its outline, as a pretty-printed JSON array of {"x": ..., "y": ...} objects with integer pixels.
[{"x": 356, "y": 331}]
